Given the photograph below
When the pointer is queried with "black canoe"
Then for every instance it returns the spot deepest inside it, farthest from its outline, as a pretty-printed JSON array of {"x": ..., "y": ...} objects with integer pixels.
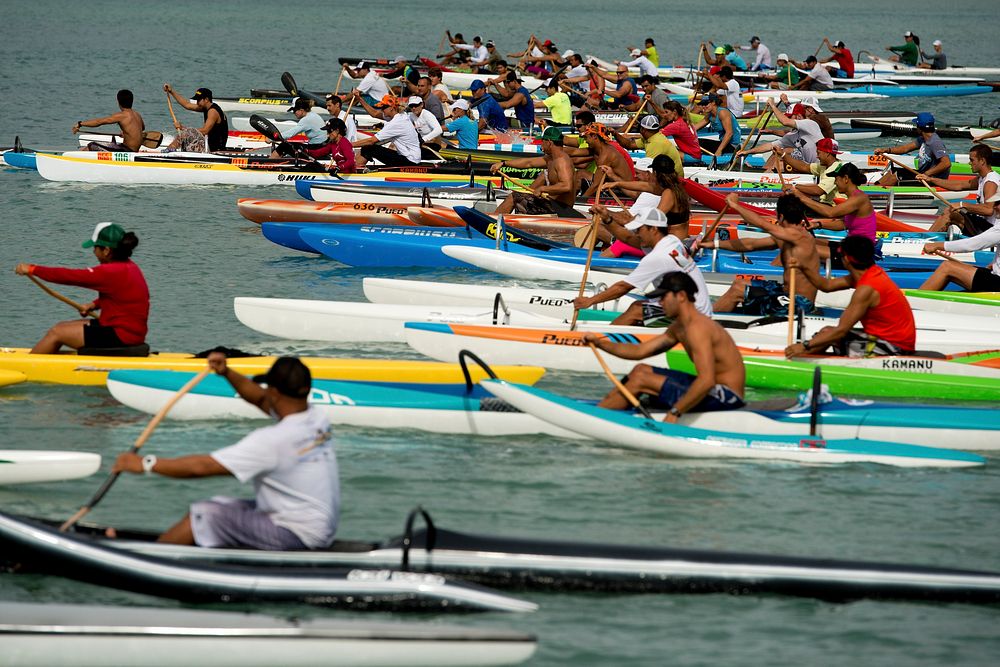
[
  {"x": 519, "y": 563},
  {"x": 30, "y": 547}
]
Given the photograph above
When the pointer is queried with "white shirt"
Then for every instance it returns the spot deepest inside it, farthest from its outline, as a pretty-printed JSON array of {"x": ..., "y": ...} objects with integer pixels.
[
  {"x": 668, "y": 255},
  {"x": 374, "y": 86},
  {"x": 427, "y": 125},
  {"x": 994, "y": 178},
  {"x": 803, "y": 139},
  {"x": 763, "y": 55},
  {"x": 989, "y": 238},
  {"x": 294, "y": 472},
  {"x": 645, "y": 65},
  {"x": 576, "y": 72},
  {"x": 352, "y": 127},
  {"x": 403, "y": 135},
  {"x": 310, "y": 125},
  {"x": 479, "y": 54},
  {"x": 734, "y": 97},
  {"x": 821, "y": 74}
]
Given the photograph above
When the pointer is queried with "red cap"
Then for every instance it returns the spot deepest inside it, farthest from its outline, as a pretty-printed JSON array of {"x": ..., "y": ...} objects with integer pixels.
[
  {"x": 797, "y": 110},
  {"x": 827, "y": 146},
  {"x": 547, "y": 42}
]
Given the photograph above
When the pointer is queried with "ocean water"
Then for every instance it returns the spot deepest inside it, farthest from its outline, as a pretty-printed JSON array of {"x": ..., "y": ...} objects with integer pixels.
[{"x": 63, "y": 61}]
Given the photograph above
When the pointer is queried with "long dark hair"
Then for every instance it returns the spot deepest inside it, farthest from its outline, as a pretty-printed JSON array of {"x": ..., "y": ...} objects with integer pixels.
[
  {"x": 125, "y": 247},
  {"x": 663, "y": 168}
]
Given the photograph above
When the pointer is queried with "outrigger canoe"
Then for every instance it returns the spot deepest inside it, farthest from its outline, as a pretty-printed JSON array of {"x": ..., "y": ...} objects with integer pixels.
[
  {"x": 889, "y": 377},
  {"x": 623, "y": 429},
  {"x": 30, "y": 547},
  {"x": 26, "y": 466},
  {"x": 8, "y": 378},
  {"x": 437, "y": 408},
  {"x": 471, "y": 410},
  {"x": 562, "y": 565},
  {"x": 63, "y": 635},
  {"x": 93, "y": 370},
  {"x": 985, "y": 304}
]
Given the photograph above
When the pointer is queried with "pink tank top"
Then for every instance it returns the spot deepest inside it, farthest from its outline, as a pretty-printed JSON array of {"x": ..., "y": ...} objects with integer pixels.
[
  {"x": 865, "y": 226},
  {"x": 620, "y": 248}
]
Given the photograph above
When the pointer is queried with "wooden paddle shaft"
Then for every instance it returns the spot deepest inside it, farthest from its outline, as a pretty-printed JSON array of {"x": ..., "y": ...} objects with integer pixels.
[
  {"x": 629, "y": 396},
  {"x": 781, "y": 171},
  {"x": 638, "y": 112},
  {"x": 791, "y": 306},
  {"x": 140, "y": 441},
  {"x": 759, "y": 129},
  {"x": 52, "y": 292},
  {"x": 715, "y": 223},
  {"x": 336, "y": 91},
  {"x": 170, "y": 107},
  {"x": 930, "y": 188}
]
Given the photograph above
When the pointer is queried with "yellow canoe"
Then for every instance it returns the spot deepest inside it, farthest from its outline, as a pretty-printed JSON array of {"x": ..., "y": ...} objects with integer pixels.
[
  {"x": 11, "y": 377},
  {"x": 75, "y": 369}
]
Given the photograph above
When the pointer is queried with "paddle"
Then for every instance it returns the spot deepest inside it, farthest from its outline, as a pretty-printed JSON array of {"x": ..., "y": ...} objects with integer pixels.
[
  {"x": 638, "y": 112},
  {"x": 51, "y": 292},
  {"x": 170, "y": 106},
  {"x": 590, "y": 250},
  {"x": 715, "y": 223},
  {"x": 140, "y": 441},
  {"x": 336, "y": 91},
  {"x": 289, "y": 83},
  {"x": 814, "y": 400},
  {"x": 625, "y": 392},
  {"x": 758, "y": 130},
  {"x": 791, "y": 306}
]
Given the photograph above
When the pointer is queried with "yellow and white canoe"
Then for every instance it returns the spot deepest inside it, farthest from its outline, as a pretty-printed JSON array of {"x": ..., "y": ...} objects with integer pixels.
[{"x": 77, "y": 369}]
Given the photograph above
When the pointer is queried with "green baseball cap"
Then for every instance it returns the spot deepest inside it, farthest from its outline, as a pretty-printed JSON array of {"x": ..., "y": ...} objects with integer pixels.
[
  {"x": 552, "y": 134},
  {"x": 106, "y": 235}
]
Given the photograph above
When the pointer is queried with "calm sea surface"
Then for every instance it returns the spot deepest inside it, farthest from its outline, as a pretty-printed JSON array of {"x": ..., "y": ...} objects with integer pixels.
[{"x": 63, "y": 61}]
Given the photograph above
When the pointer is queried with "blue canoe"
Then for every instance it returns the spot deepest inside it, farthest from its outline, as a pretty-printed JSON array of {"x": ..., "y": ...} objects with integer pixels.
[{"x": 25, "y": 160}]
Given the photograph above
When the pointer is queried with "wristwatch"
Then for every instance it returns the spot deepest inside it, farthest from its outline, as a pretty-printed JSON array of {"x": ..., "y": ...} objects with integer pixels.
[
  {"x": 148, "y": 463},
  {"x": 675, "y": 412}
]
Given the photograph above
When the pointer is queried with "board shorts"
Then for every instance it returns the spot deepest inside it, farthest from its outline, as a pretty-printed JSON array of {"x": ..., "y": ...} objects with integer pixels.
[
  {"x": 97, "y": 335},
  {"x": 189, "y": 139},
  {"x": 232, "y": 522},
  {"x": 676, "y": 384},
  {"x": 113, "y": 147},
  {"x": 386, "y": 156},
  {"x": 984, "y": 280},
  {"x": 529, "y": 204},
  {"x": 653, "y": 314},
  {"x": 768, "y": 297},
  {"x": 859, "y": 345}
]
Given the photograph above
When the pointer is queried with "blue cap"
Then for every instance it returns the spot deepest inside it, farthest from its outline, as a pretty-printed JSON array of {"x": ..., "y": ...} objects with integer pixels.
[
  {"x": 925, "y": 119},
  {"x": 477, "y": 85}
]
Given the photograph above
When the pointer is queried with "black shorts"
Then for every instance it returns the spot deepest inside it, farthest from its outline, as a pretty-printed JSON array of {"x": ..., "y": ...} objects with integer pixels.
[
  {"x": 984, "y": 280},
  {"x": 768, "y": 297},
  {"x": 95, "y": 335},
  {"x": 528, "y": 204},
  {"x": 386, "y": 156}
]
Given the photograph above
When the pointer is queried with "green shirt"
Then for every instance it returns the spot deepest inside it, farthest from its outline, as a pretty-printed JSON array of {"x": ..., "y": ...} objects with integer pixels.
[
  {"x": 660, "y": 145},
  {"x": 562, "y": 110},
  {"x": 653, "y": 56},
  {"x": 783, "y": 74},
  {"x": 909, "y": 53}
]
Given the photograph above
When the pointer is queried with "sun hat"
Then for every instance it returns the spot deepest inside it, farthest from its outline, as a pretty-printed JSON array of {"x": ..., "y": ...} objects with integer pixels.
[
  {"x": 635, "y": 52},
  {"x": 106, "y": 235},
  {"x": 783, "y": 56}
]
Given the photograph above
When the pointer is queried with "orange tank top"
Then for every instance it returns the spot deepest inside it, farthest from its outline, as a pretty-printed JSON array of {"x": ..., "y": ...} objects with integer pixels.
[{"x": 892, "y": 318}]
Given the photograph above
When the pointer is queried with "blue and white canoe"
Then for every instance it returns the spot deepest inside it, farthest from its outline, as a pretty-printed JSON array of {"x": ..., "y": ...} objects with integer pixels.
[
  {"x": 624, "y": 430},
  {"x": 438, "y": 408}
]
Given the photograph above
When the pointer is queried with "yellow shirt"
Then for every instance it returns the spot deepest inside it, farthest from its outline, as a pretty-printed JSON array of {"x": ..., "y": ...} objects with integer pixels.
[
  {"x": 653, "y": 56},
  {"x": 660, "y": 145}
]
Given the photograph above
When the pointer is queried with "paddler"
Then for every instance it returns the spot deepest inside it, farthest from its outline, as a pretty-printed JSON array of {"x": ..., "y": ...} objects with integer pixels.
[
  {"x": 823, "y": 169},
  {"x": 604, "y": 151},
  {"x": 644, "y": 64},
  {"x": 790, "y": 235},
  {"x": 337, "y": 147},
  {"x": 932, "y": 156},
  {"x": 842, "y": 56},
  {"x": 887, "y": 325},
  {"x": 972, "y": 278},
  {"x": 626, "y": 93},
  {"x": 129, "y": 122},
  {"x": 557, "y": 103},
  {"x": 818, "y": 77},
  {"x": 720, "y": 377},
  {"x": 970, "y": 218},
  {"x": 307, "y": 122},
  {"x": 554, "y": 190},
  {"x": 490, "y": 113},
  {"x": 335, "y": 107},
  {"x": 292, "y": 464},
  {"x": 372, "y": 87},
  {"x": 215, "y": 128},
  {"x": 722, "y": 121},
  {"x": 799, "y": 142},
  {"x": 466, "y": 130},
  {"x": 399, "y": 131},
  {"x": 427, "y": 126},
  {"x": 786, "y": 76},
  {"x": 908, "y": 52},
  {"x": 663, "y": 235},
  {"x": 936, "y": 59},
  {"x": 520, "y": 100},
  {"x": 653, "y": 142},
  {"x": 123, "y": 297},
  {"x": 727, "y": 87},
  {"x": 856, "y": 215}
]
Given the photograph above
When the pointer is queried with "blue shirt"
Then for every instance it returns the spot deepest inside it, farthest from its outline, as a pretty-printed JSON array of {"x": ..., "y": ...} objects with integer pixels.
[
  {"x": 736, "y": 60},
  {"x": 716, "y": 125},
  {"x": 490, "y": 109},
  {"x": 525, "y": 113},
  {"x": 310, "y": 125},
  {"x": 467, "y": 131}
]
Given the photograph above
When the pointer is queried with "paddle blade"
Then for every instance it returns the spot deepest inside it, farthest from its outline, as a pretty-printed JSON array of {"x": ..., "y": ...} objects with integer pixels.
[
  {"x": 265, "y": 127},
  {"x": 289, "y": 83}
]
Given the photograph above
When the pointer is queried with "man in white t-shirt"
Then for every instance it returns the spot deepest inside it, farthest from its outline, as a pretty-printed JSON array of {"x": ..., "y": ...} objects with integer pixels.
[
  {"x": 728, "y": 86},
  {"x": 292, "y": 465},
  {"x": 762, "y": 61},
  {"x": 818, "y": 77},
  {"x": 373, "y": 87},
  {"x": 399, "y": 131},
  {"x": 799, "y": 142},
  {"x": 427, "y": 126},
  {"x": 667, "y": 254},
  {"x": 645, "y": 65}
]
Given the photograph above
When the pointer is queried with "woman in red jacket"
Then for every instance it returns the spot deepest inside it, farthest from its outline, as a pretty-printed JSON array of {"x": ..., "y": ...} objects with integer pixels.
[{"x": 123, "y": 297}]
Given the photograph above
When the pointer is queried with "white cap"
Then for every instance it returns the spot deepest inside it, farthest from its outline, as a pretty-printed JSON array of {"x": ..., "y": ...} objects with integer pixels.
[
  {"x": 635, "y": 52},
  {"x": 650, "y": 122},
  {"x": 936, "y": 42},
  {"x": 460, "y": 104},
  {"x": 400, "y": 59},
  {"x": 907, "y": 34},
  {"x": 568, "y": 52},
  {"x": 652, "y": 217},
  {"x": 783, "y": 56},
  {"x": 414, "y": 101},
  {"x": 811, "y": 102}
]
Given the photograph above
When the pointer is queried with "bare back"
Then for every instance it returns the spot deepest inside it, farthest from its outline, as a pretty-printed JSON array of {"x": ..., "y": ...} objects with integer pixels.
[
  {"x": 559, "y": 168},
  {"x": 802, "y": 249},
  {"x": 703, "y": 335},
  {"x": 132, "y": 127}
]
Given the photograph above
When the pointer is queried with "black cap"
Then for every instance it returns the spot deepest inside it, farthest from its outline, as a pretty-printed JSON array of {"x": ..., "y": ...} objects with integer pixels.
[
  {"x": 289, "y": 376},
  {"x": 202, "y": 93},
  {"x": 675, "y": 281},
  {"x": 811, "y": 59},
  {"x": 300, "y": 103}
]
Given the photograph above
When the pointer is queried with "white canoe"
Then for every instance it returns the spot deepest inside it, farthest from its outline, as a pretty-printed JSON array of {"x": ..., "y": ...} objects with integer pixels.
[
  {"x": 555, "y": 303},
  {"x": 117, "y": 168},
  {"x": 352, "y": 321},
  {"x": 25, "y": 466},
  {"x": 623, "y": 430},
  {"x": 62, "y": 635}
]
